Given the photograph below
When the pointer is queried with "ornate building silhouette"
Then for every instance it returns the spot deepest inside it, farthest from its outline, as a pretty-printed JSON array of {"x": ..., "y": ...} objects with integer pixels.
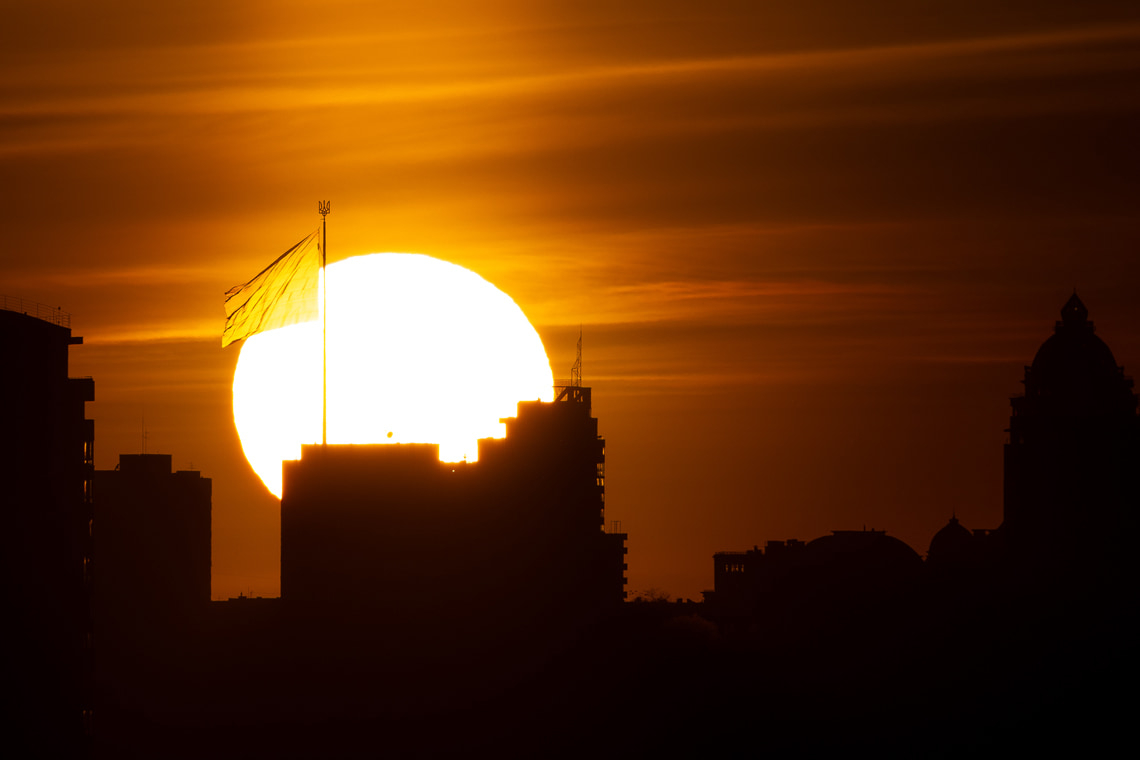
[
  {"x": 1071, "y": 495},
  {"x": 1072, "y": 464}
]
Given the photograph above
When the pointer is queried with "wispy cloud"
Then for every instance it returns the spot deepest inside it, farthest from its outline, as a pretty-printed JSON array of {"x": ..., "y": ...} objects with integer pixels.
[
  {"x": 101, "y": 277},
  {"x": 506, "y": 104},
  {"x": 178, "y": 331}
]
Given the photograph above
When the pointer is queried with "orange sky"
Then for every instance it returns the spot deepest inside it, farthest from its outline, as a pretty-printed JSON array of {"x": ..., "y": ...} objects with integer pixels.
[{"x": 811, "y": 246}]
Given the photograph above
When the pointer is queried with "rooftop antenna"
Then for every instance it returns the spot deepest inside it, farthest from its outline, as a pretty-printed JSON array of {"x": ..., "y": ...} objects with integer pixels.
[
  {"x": 324, "y": 208},
  {"x": 576, "y": 370}
]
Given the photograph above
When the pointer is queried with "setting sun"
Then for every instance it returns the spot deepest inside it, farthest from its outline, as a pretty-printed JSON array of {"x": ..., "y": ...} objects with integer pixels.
[{"x": 419, "y": 351}]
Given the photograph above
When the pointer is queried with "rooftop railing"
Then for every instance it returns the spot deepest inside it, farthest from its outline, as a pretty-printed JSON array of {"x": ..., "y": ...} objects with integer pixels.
[{"x": 52, "y": 314}]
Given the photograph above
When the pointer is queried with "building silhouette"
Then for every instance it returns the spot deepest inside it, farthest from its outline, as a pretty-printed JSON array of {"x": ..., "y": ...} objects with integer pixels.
[
  {"x": 1072, "y": 463},
  {"x": 847, "y": 567},
  {"x": 1071, "y": 490},
  {"x": 439, "y": 609},
  {"x": 152, "y": 542},
  {"x": 1071, "y": 500},
  {"x": 957, "y": 553},
  {"x": 46, "y": 456},
  {"x": 516, "y": 536},
  {"x": 152, "y": 594}
]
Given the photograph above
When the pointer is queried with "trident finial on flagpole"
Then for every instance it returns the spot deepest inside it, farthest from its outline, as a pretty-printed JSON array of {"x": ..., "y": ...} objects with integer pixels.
[{"x": 324, "y": 208}]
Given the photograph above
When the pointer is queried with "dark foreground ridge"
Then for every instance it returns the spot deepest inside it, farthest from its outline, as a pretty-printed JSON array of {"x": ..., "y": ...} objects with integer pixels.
[{"x": 503, "y": 630}]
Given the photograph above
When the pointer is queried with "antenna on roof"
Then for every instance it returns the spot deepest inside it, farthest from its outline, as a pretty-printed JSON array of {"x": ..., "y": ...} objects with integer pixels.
[{"x": 576, "y": 370}]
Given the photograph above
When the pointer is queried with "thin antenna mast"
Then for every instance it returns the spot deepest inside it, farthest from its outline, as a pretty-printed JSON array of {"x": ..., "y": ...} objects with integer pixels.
[
  {"x": 576, "y": 370},
  {"x": 324, "y": 208}
]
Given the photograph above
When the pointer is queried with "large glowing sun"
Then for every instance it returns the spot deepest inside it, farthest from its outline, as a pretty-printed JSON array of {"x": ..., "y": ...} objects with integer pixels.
[{"x": 419, "y": 351}]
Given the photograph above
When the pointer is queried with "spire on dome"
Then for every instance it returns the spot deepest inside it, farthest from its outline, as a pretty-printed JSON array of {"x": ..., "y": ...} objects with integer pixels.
[{"x": 1074, "y": 313}]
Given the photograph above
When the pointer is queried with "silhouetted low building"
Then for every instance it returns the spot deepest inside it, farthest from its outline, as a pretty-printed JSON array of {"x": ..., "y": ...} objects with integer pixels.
[
  {"x": 831, "y": 572},
  {"x": 742, "y": 579},
  {"x": 152, "y": 542}
]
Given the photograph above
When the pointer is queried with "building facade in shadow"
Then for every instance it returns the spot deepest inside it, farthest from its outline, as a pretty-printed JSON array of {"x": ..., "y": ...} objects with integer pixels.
[
  {"x": 46, "y": 456},
  {"x": 152, "y": 535},
  {"x": 152, "y": 542},
  {"x": 1072, "y": 463},
  {"x": 519, "y": 535}
]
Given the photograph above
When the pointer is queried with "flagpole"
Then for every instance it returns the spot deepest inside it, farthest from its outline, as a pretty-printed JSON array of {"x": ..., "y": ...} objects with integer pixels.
[{"x": 324, "y": 207}]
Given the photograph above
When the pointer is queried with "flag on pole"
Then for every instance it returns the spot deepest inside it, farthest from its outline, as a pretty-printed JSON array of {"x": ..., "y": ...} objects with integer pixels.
[{"x": 284, "y": 293}]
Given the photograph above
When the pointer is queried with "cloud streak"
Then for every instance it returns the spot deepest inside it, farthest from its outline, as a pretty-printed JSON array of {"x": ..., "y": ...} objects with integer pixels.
[{"x": 276, "y": 78}]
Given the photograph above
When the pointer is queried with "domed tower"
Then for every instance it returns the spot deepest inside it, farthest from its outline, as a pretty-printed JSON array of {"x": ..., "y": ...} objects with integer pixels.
[{"x": 1071, "y": 464}]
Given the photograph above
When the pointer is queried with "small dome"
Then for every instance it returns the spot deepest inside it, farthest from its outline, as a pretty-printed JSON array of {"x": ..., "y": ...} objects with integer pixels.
[{"x": 953, "y": 543}]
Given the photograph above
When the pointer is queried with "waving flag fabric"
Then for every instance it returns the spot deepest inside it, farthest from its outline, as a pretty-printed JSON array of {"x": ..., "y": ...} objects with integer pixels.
[{"x": 284, "y": 293}]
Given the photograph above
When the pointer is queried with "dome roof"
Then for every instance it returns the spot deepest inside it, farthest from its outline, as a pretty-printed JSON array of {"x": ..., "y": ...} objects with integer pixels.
[
  {"x": 953, "y": 542},
  {"x": 853, "y": 564},
  {"x": 862, "y": 549},
  {"x": 1074, "y": 363}
]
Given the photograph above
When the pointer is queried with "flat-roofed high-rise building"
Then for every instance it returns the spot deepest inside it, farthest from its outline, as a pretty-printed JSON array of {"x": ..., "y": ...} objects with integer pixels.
[
  {"x": 521, "y": 529},
  {"x": 46, "y": 461}
]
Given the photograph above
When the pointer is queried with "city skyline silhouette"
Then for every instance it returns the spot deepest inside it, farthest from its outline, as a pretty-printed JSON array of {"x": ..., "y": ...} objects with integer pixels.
[
  {"x": 811, "y": 251},
  {"x": 812, "y": 233},
  {"x": 512, "y": 595}
]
